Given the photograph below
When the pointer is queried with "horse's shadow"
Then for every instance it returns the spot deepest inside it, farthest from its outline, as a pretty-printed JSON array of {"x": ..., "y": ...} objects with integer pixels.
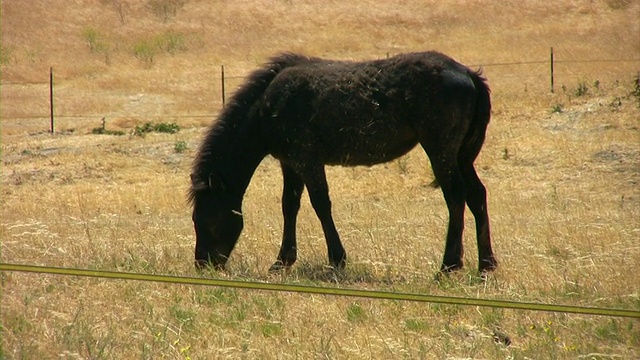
[
  {"x": 381, "y": 275},
  {"x": 359, "y": 274}
]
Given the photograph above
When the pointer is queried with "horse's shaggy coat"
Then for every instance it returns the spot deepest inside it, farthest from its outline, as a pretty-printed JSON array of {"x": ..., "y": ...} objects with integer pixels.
[{"x": 308, "y": 113}]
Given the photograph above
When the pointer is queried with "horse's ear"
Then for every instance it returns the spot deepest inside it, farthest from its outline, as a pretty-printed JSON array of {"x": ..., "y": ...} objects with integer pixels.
[
  {"x": 211, "y": 182},
  {"x": 197, "y": 184},
  {"x": 215, "y": 182}
]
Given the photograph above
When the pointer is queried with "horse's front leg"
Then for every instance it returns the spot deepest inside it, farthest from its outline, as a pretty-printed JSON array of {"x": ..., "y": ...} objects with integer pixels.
[
  {"x": 315, "y": 179},
  {"x": 291, "y": 193}
]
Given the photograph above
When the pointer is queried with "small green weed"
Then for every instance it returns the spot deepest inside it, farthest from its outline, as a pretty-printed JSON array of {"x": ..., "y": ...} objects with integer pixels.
[
  {"x": 446, "y": 310},
  {"x": 416, "y": 325},
  {"x": 171, "y": 42},
  {"x": 169, "y": 128},
  {"x": 239, "y": 313},
  {"x": 271, "y": 329},
  {"x": 145, "y": 50},
  {"x": 92, "y": 37},
  {"x": 355, "y": 313},
  {"x": 180, "y": 146},
  {"x": 142, "y": 130},
  {"x": 96, "y": 43},
  {"x": 216, "y": 296},
  {"x": 609, "y": 331},
  {"x": 6, "y": 54},
  {"x": 491, "y": 317},
  {"x": 185, "y": 317},
  {"x": 103, "y": 131},
  {"x": 581, "y": 90}
]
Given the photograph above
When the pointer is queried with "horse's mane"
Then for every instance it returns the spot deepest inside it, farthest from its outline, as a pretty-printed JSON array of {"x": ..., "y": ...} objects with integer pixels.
[{"x": 233, "y": 116}]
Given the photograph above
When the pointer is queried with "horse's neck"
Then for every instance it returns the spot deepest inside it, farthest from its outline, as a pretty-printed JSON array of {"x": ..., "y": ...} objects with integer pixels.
[
  {"x": 241, "y": 172},
  {"x": 242, "y": 156}
]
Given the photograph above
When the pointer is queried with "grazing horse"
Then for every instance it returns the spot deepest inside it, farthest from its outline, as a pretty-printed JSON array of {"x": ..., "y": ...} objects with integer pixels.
[{"x": 309, "y": 112}]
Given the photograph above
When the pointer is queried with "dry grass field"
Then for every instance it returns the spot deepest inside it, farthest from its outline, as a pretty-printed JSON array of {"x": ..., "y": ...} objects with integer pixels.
[{"x": 562, "y": 170}]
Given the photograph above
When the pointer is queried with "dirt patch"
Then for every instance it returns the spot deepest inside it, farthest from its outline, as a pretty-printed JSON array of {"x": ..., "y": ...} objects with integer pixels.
[{"x": 620, "y": 159}]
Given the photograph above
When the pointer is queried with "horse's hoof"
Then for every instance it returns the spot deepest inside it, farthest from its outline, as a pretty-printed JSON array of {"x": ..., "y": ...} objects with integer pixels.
[
  {"x": 439, "y": 276},
  {"x": 278, "y": 266},
  {"x": 202, "y": 265},
  {"x": 486, "y": 266},
  {"x": 339, "y": 266},
  {"x": 338, "y": 261},
  {"x": 501, "y": 337},
  {"x": 450, "y": 268}
]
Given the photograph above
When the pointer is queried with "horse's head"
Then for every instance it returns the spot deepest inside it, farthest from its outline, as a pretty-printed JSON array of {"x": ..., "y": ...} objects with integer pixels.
[{"x": 217, "y": 220}]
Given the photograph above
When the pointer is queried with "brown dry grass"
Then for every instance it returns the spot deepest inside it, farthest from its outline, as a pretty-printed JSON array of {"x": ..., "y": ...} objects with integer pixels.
[{"x": 564, "y": 195}]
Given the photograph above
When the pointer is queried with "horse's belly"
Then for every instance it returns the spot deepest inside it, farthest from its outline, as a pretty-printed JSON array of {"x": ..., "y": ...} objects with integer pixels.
[{"x": 352, "y": 148}]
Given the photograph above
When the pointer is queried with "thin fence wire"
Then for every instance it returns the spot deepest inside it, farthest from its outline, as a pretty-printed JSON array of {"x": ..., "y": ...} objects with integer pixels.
[{"x": 542, "y": 75}]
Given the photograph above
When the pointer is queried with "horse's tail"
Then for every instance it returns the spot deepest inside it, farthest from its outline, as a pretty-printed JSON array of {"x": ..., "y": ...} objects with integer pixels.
[
  {"x": 475, "y": 136},
  {"x": 473, "y": 140}
]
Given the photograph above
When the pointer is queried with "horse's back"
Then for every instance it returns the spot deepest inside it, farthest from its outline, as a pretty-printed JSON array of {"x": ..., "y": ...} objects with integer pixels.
[{"x": 358, "y": 113}]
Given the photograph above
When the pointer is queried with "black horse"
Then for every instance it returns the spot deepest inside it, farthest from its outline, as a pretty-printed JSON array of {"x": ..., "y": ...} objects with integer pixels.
[{"x": 309, "y": 112}]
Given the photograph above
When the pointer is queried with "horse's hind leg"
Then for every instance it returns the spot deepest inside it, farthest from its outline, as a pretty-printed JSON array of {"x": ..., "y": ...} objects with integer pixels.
[
  {"x": 477, "y": 201},
  {"x": 450, "y": 180},
  {"x": 291, "y": 193}
]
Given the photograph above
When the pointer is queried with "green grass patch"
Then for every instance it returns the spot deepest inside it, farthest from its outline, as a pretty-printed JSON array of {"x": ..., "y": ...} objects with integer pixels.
[
  {"x": 355, "y": 313},
  {"x": 180, "y": 146},
  {"x": 103, "y": 131},
  {"x": 146, "y": 128}
]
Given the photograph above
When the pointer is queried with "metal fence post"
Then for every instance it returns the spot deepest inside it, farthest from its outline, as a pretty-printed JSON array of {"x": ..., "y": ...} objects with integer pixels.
[
  {"x": 53, "y": 129},
  {"x": 223, "y": 99},
  {"x": 552, "y": 90}
]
